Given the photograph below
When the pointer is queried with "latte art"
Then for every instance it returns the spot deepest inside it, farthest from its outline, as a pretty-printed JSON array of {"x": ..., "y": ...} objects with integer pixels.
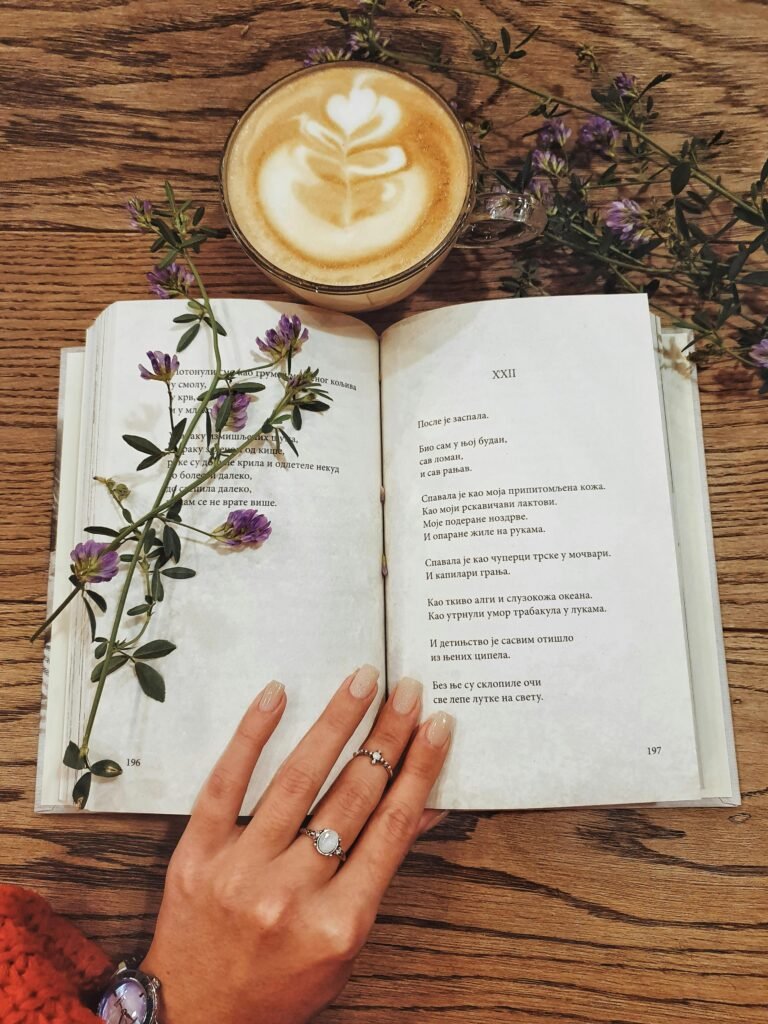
[{"x": 346, "y": 175}]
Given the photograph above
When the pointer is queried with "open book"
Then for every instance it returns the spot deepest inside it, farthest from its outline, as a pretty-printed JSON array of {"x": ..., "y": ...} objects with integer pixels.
[{"x": 533, "y": 470}]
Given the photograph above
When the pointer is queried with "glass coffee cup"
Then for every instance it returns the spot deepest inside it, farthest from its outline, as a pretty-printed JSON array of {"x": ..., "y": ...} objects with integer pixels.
[{"x": 348, "y": 184}]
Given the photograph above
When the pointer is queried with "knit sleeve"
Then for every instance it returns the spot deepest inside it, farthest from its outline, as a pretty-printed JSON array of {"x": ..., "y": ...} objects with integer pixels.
[{"x": 47, "y": 966}]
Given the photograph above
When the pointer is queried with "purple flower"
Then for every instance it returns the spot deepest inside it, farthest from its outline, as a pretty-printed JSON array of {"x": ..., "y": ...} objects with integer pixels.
[
  {"x": 164, "y": 366},
  {"x": 242, "y": 527},
  {"x": 92, "y": 562},
  {"x": 367, "y": 41},
  {"x": 238, "y": 415},
  {"x": 171, "y": 281},
  {"x": 597, "y": 135},
  {"x": 629, "y": 221},
  {"x": 626, "y": 85},
  {"x": 288, "y": 337},
  {"x": 545, "y": 161},
  {"x": 759, "y": 353},
  {"x": 553, "y": 134},
  {"x": 541, "y": 189},
  {"x": 325, "y": 55},
  {"x": 140, "y": 214}
]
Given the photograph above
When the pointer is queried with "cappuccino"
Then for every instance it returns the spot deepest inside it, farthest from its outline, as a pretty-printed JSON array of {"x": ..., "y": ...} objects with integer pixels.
[{"x": 347, "y": 175}]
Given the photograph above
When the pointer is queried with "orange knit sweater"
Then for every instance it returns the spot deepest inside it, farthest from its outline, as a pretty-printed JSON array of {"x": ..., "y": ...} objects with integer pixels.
[{"x": 47, "y": 966}]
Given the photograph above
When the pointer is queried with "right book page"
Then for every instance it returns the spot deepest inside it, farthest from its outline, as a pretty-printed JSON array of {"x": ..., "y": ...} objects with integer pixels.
[{"x": 533, "y": 576}]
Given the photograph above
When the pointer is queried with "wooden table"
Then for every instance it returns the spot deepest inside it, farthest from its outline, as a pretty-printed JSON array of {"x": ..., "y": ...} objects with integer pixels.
[{"x": 568, "y": 916}]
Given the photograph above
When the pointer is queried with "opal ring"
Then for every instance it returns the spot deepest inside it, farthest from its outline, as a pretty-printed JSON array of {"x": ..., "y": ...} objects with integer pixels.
[
  {"x": 326, "y": 841},
  {"x": 375, "y": 757}
]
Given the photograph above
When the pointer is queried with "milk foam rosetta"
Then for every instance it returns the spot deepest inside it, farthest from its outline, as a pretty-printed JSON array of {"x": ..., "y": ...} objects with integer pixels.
[{"x": 346, "y": 175}]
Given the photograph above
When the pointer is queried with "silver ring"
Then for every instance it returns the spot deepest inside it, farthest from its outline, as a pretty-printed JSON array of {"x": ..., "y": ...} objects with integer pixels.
[
  {"x": 326, "y": 841},
  {"x": 375, "y": 757}
]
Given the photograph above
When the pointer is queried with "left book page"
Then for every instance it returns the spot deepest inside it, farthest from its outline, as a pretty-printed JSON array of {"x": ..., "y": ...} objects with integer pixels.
[{"x": 298, "y": 609}]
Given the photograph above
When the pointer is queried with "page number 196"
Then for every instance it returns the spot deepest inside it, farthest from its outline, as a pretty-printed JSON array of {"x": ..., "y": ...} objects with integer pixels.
[{"x": 653, "y": 750}]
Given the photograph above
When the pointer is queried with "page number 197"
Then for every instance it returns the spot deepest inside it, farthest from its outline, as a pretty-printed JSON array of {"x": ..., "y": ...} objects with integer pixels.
[{"x": 653, "y": 750}]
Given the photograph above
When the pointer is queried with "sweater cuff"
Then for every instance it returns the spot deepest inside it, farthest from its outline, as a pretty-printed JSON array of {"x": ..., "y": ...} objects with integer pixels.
[{"x": 47, "y": 966}]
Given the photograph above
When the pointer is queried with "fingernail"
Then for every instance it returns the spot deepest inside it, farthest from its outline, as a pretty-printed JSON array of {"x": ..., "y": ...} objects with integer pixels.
[
  {"x": 439, "y": 728},
  {"x": 407, "y": 695},
  {"x": 431, "y": 819},
  {"x": 271, "y": 696},
  {"x": 364, "y": 681}
]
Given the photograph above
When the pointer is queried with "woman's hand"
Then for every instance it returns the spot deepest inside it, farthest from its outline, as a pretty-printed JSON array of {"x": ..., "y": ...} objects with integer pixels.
[{"x": 255, "y": 924}]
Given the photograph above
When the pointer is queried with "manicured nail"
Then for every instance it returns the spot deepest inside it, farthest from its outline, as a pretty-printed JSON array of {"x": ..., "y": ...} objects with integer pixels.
[
  {"x": 432, "y": 818},
  {"x": 364, "y": 681},
  {"x": 407, "y": 695},
  {"x": 271, "y": 696},
  {"x": 439, "y": 728}
]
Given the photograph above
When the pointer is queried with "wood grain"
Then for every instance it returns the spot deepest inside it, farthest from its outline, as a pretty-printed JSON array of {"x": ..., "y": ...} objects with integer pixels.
[{"x": 568, "y": 917}]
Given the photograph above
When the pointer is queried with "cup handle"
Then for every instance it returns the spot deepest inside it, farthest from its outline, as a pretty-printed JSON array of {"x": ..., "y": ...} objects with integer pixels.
[{"x": 501, "y": 216}]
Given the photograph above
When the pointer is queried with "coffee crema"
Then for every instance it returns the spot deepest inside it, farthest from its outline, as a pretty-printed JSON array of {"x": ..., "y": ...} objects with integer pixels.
[{"x": 346, "y": 174}]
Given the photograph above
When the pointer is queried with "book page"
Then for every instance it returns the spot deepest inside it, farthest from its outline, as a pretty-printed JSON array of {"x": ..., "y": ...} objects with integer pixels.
[
  {"x": 51, "y": 743},
  {"x": 306, "y": 608},
  {"x": 533, "y": 581},
  {"x": 711, "y": 701}
]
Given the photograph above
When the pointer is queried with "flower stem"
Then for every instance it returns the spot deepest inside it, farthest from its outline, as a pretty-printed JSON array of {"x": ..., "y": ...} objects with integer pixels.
[
  {"x": 624, "y": 122},
  {"x": 146, "y": 520},
  {"x": 70, "y": 596}
]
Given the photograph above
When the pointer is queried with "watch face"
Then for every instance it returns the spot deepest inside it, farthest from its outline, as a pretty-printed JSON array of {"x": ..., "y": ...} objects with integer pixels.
[{"x": 126, "y": 1002}]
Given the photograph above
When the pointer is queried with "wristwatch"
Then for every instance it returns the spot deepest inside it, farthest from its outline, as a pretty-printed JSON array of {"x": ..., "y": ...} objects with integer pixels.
[{"x": 130, "y": 996}]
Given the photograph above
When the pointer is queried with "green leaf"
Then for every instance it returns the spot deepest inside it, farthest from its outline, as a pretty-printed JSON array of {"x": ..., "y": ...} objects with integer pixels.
[
  {"x": 171, "y": 543},
  {"x": 72, "y": 758},
  {"x": 750, "y": 216},
  {"x": 188, "y": 337},
  {"x": 149, "y": 538},
  {"x": 91, "y": 619},
  {"x": 179, "y": 573},
  {"x": 155, "y": 649},
  {"x": 168, "y": 259},
  {"x": 296, "y": 418},
  {"x": 174, "y": 509},
  {"x": 736, "y": 264},
  {"x": 680, "y": 178},
  {"x": 106, "y": 769},
  {"x": 142, "y": 444},
  {"x": 127, "y": 515},
  {"x": 764, "y": 172},
  {"x": 97, "y": 599},
  {"x": 248, "y": 388},
  {"x": 81, "y": 791},
  {"x": 101, "y": 531},
  {"x": 177, "y": 433},
  {"x": 138, "y": 609},
  {"x": 100, "y": 649},
  {"x": 759, "y": 277},
  {"x": 169, "y": 194},
  {"x": 223, "y": 414},
  {"x": 169, "y": 235},
  {"x": 198, "y": 215},
  {"x": 149, "y": 461},
  {"x": 208, "y": 429},
  {"x": 150, "y": 680},
  {"x": 115, "y": 662},
  {"x": 289, "y": 442},
  {"x": 186, "y": 318},
  {"x": 158, "y": 593},
  {"x": 682, "y": 223},
  {"x": 315, "y": 406},
  {"x": 506, "y": 42},
  {"x": 216, "y": 393}
]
